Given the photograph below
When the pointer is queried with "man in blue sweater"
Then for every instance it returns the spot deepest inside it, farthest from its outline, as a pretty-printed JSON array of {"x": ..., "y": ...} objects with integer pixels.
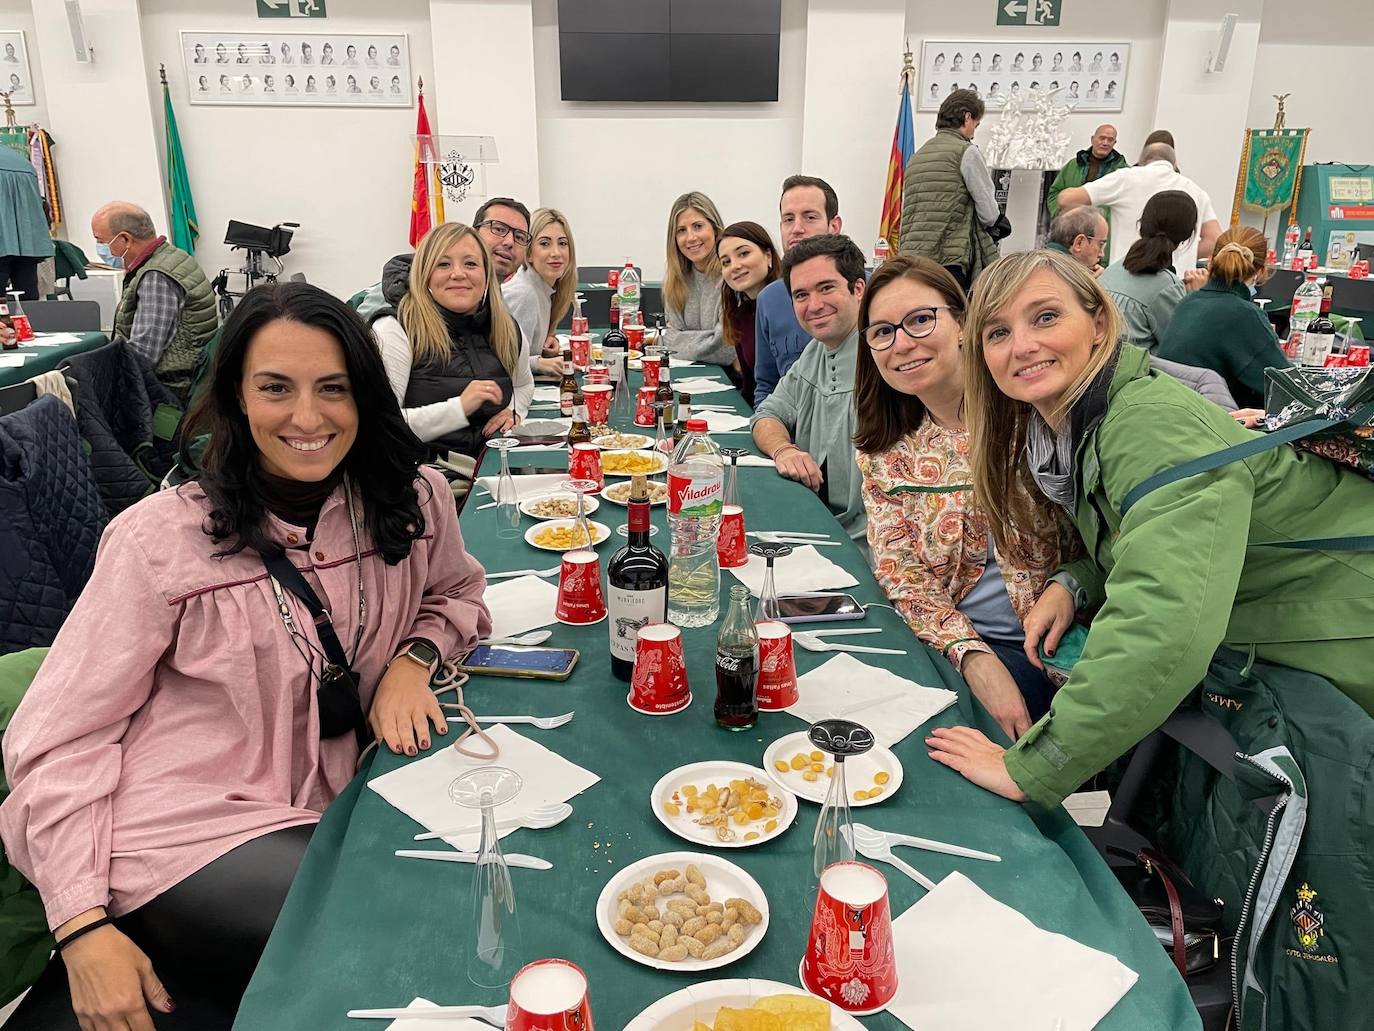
[{"x": 809, "y": 207}]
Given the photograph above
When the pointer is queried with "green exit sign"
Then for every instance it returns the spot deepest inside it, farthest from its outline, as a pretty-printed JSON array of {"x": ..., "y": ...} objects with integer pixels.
[
  {"x": 1022, "y": 12},
  {"x": 290, "y": 8}
]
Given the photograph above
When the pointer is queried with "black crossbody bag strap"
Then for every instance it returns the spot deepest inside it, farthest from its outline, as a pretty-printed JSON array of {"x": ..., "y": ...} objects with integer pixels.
[{"x": 339, "y": 705}]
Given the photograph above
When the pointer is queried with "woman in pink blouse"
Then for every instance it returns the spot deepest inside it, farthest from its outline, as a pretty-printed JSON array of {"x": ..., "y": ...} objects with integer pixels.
[
  {"x": 931, "y": 550},
  {"x": 191, "y": 723}
]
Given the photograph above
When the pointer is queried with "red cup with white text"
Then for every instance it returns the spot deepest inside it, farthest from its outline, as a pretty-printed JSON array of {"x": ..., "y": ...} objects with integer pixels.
[
  {"x": 598, "y": 397},
  {"x": 849, "y": 955},
  {"x": 644, "y": 406},
  {"x": 730, "y": 546},
  {"x": 585, "y": 463},
  {"x": 777, "y": 668},
  {"x": 649, "y": 365},
  {"x": 634, "y": 337},
  {"x": 549, "y": 995},
  {"x": 658, "y": 685},
  {"x": 581, "y": 601},
  {"x": 581, "y": 347}
]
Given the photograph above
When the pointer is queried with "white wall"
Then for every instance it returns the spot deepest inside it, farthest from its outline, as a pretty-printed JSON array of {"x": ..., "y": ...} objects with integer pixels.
[
  {"x": 343, "y": 174},
  {"x": 615, "y": 169}
]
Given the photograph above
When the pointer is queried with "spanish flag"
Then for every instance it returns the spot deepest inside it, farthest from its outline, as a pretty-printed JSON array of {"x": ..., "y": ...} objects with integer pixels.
[
  {"x": 426, "y": 167},
  {"x": 903, "y": 145}
]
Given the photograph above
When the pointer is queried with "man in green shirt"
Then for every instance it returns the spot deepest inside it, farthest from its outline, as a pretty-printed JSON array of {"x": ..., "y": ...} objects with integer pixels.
[{"x": 806, "y": 425}]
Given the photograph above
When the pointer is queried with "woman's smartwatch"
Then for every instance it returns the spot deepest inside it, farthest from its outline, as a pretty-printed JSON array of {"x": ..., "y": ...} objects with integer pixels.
[{"x": 420, "y": 651}]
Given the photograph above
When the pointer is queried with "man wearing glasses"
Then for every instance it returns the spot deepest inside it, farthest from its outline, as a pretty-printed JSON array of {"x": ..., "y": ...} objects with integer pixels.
[
  {"x": 1081, "y": 233},
  {"x": 806, "y": 425}
]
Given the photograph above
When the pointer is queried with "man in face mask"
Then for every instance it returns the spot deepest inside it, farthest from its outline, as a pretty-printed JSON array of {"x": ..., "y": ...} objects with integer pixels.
[{"x": 166, "y": 310}]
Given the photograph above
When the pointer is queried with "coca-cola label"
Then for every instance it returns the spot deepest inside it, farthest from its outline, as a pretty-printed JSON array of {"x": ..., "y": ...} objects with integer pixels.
[{"x": 694, "y": 497}]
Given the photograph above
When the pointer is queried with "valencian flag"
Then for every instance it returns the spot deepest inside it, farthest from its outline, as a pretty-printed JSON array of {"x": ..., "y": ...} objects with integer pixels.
[
  {"x": 426, "y": 178},
  {"x": 183, "y": 228},
  {"x": 903, "y": 145},
  {"x": 1270, "y": 169}
]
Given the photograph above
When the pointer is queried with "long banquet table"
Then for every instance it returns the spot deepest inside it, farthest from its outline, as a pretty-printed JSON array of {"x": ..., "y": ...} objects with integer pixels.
[{"x": 362, "y": 928}]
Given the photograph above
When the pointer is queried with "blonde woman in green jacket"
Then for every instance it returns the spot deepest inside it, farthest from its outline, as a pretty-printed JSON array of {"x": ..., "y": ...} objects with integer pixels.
[{"x": 1055, "y": 402}]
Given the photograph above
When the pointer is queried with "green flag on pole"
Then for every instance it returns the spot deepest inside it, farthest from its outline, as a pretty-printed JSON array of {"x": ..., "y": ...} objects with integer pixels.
[{"x": 184, "y": 228}]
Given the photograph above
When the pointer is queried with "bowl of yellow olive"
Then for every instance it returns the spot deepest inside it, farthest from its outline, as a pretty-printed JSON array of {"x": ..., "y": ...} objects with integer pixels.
[
  {"x": 795, "y": 764},
  {"x": 565, "y": 535}
]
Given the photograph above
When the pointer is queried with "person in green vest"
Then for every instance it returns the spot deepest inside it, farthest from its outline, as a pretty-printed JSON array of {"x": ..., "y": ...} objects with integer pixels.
[
  {"x": 1056, "y": 400},
  {"x": 1100, "y": 158},
  {"x": 948, "y": 203},
  {"x": 166, "y": 311},
  {"x": 24, "y": 237}
]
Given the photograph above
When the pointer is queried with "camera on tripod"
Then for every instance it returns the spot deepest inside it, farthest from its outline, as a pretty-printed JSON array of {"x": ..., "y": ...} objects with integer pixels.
[{"x": 274, "y": 242}]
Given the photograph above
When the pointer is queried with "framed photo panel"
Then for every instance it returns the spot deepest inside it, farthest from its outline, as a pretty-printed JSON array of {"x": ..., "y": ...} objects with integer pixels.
[
  {"x": 15, "y": 77},
  {"x": 1084, "y": 76}
]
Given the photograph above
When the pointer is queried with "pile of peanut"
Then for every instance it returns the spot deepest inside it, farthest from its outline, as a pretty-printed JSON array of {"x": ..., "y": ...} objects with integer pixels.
[{"x": 693, "y": 926}]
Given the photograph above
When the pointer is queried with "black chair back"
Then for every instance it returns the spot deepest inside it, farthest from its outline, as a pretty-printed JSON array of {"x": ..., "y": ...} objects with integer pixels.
[{"x": 63, "y": 316}]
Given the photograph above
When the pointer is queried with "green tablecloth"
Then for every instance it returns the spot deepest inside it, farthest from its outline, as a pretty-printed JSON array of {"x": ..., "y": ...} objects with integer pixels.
[
  {"x": 40, "y": 357},
  {"x": 362, "y": 928}
]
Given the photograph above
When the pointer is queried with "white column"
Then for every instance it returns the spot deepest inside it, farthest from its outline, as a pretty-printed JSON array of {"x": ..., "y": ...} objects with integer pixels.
[
  {"x": 1207, "y": 112},
  {"x": 101, "y": 113},
  {"x": 484, "y": 86},
  {"x": 853, "y": 64}
]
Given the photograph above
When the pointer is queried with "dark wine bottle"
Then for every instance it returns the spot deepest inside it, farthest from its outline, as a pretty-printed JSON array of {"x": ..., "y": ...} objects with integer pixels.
[{"x": 637, "y": 579}]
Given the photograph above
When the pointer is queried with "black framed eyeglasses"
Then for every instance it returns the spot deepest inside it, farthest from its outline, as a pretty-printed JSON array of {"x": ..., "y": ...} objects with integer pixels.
[
  {"x": 917, "y": 323},
  {"x": 500, "y": 230}
]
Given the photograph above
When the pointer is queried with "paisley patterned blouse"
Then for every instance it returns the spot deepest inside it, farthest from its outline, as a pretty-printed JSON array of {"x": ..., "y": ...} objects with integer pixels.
[{"x": 930, "y": 542}]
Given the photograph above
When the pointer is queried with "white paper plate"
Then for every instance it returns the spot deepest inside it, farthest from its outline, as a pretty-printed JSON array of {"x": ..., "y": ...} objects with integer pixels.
[
  {"x": 678, "y": 1012},
  {"x": 652, "y": 483},
  {"x": 719, "y": 772},
  {"x": 661, "y": 462},
  {"x": 724, "y": 880},
  {"x": 590, "y": 505},
  {"x": 859, "y": 771},
  {"x": 644, "y": 442},
  {"x": 600, "y": 531}
]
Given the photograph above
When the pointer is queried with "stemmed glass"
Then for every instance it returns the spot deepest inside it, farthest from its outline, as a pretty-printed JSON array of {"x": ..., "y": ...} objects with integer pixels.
[
  {"x": 582, "y": 488},
  {"x": 507, "y": 498},
  {"x": 834, "y": 838},
  {"x": 663, "y": 444},
  {"x": 731, "y": 496},
  {"x": 497, "y": 950},
  {"x": 768, "y": 595}
]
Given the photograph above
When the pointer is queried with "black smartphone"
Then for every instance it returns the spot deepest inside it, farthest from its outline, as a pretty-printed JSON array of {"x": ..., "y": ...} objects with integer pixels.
[
  {"x": 506, "y": 660},
  {"x": 818, "y": 609}
]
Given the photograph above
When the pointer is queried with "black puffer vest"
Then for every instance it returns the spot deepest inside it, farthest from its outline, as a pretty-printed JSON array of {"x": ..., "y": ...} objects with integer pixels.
[{"x": 470, "y": 358}]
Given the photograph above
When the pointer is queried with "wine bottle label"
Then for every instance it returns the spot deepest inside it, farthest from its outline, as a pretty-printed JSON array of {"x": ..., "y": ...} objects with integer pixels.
[{"x": 630, "y": 610}]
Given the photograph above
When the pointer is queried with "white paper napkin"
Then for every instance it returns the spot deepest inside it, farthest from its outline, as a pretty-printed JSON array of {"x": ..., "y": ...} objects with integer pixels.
[
  {"x": 526, "y": 487},
  {"x": 1040, "y": 981},
  {"x": 806, "y": 569},
  {"x": 520, "y": 604},
  {"x": 545, "y": 393},
  {"x": 698, "y": 385},
  {"x": 719, "y": 422},
  {"x": 55, "y": 338},
  {"x": 434, "y": 1023},
  {"x": 541, "y": 447},
  {"x": 420, "y": 789},
  {"x": 12, "y": 361},
  {"x": 841, "y": 686},
  {"x": 756, "y": 462}
]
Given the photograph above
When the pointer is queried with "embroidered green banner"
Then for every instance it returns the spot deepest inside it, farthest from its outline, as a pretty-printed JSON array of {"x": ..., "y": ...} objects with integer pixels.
[{"x": 1271, "y": 166}]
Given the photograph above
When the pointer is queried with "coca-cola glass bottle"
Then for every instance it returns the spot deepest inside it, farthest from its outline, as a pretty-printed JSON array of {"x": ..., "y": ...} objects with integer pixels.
[{"x": 737, "y": 665}]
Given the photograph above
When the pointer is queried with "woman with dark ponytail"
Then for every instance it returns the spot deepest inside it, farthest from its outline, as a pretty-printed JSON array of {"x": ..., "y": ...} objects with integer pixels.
[
  {"x": 1220, "y": 328},
  {"x": 1144, "y": 284}
]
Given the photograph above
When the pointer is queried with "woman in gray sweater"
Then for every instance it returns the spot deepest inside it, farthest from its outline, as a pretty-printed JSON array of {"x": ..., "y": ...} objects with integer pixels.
[
  {"x": 541, "y": 292},
  {"x": 691, "y": 283}
]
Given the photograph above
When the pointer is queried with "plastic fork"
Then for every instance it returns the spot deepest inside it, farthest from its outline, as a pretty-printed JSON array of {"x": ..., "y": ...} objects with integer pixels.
[
  {"x": 877, "y": 847},
  {"x": 540, "y": 819},
  {"x": 542, "y": 722},
  {"x": 551, "y": 571},
  {"x": 789, "y": 533},
  {"x": 815, "y": 644},
  {"x": 843, "y": 633},
  {"x": 493, "y": 1015},
  {"x": 787, "y": 538},
  {"x": 863, "y": 831},
  {"x": 537, "y": 637}
]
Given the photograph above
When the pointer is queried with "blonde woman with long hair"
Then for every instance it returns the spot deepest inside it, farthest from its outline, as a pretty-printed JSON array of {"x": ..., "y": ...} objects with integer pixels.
[
  {"x": 1058, "y": 404},
  {"x": 541, "y": 292},
  {"x": 691, "y": 282},
  {"x": 452, "y": 351}
]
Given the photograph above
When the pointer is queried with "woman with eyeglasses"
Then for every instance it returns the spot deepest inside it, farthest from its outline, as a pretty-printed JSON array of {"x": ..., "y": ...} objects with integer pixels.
[
  {"x": 453, "y": 353},
  {"x": 930, "y": 545},
  {"x": 179, "y": 742},
  {"x": 1144, "y": 284},
  {"x": 541, "y": 291},
  {"x": 691, "y": 283}
]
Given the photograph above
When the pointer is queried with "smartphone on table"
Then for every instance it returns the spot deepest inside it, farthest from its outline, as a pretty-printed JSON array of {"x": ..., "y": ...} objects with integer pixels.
[
  {"x": 818, "y": 608},
  {"x": 508, "y": 660}
]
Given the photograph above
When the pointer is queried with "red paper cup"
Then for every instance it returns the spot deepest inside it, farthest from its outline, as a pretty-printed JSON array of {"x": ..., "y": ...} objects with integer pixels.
[
  {"x": 849, "y": 956},
  {"x": 644, "y": 406},
  {"x": 730, "y": 547},
  {"x": 658, "y": 685},
  {"x": 777, "y": 669},
  {"x": 585, "y": 463},
  {"x": 598, "y": 397},
  {"x": 634, "y": 337},
  {"x": 1333, "y": 361},
  {"x": 1357, "y": 354},
  {"x": 581, "y": 346},
  {"x": 549, "y": 995},
  {"x": 581, "y": 600},
  {"x": 22, "y": 329},
  {"x": 649, "y": 364}
]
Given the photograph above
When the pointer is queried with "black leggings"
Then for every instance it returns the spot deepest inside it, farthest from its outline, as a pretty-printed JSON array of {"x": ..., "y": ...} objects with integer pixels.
[{"x": 204, "y": 936}]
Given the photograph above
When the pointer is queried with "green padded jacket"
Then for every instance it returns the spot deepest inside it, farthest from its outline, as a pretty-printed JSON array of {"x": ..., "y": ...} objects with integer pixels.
[
  {"x": 939, "y": 220},
  {"x": 199, "y": 317}
]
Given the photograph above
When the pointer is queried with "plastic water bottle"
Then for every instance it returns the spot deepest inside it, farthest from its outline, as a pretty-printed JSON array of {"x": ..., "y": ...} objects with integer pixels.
[
  {"x": 1291, "y": 239},
  {"x": 1307, "y": 305},
  {"x": 695, "y": 488},
  {"x": 880, "y": 251},
  {"x": 628, "y": 293}
]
